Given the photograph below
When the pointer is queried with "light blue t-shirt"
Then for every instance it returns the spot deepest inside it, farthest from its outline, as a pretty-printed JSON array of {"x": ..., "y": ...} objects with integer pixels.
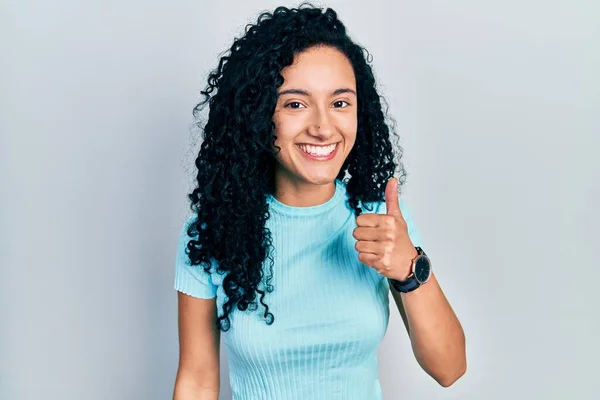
[{"x": 331, "y": 311}]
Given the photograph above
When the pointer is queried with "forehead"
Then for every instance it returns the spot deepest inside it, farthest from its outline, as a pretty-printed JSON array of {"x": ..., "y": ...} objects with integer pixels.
[{"x": 319, "y": 68}]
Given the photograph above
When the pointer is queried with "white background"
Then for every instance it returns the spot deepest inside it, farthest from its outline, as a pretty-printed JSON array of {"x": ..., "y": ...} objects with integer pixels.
[{"x": 498, "y": 107}]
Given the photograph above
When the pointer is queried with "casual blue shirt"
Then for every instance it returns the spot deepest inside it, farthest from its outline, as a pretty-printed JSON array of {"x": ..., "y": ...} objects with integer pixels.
[{"x": 331, "y": 311}]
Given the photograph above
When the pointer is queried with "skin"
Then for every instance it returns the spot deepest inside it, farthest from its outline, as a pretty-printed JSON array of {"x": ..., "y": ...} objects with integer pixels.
[
  {"x": 318, "y": 105},
  {"x": 437, "y": 338},
  {"x": 198, "y": 371}
]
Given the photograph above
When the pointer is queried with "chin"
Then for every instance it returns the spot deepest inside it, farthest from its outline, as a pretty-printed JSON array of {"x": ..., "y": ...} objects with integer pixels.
[
  {"x": 322, "y": 181},
  {"x": 319, "y": 179}
]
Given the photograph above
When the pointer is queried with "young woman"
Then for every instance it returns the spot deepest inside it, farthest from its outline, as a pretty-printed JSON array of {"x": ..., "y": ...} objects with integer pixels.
[{"x": 297, "y": 233}]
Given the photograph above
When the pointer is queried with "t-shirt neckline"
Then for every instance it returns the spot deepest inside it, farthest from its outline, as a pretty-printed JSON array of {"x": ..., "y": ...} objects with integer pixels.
[{"x": 284, "y": 209}]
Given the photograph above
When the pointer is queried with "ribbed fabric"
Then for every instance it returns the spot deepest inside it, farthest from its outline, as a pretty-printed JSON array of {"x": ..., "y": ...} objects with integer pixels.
[{"x": 331, "y": 311}]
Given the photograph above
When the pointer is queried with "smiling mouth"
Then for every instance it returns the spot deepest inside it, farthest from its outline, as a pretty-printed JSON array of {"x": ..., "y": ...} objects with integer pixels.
[{"x": 318, "y": 151}]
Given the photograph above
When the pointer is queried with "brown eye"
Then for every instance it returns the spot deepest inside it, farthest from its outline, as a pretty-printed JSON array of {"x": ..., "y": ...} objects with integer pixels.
[
  {"x": 294, "y": 104},
  {"x": 341, "y": 104}
]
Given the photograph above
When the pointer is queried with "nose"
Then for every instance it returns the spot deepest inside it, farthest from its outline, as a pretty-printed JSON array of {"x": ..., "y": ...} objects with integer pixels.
[{"x": 321, "y": 126}]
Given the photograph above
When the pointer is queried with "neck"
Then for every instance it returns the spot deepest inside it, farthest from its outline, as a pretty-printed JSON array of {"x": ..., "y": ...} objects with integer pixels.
[{"x": 302, "y": 193}]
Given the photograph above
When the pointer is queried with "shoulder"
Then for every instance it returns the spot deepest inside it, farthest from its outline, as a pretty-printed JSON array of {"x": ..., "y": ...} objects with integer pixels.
[{"x": 191, "y": 279}]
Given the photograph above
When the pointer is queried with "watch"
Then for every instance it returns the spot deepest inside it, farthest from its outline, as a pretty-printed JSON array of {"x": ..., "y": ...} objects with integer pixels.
[{"x": 421, "y": 272}]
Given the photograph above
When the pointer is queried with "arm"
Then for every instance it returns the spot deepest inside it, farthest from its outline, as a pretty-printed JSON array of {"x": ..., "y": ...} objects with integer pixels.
[
  {"x": 437, "y": 338},
  {"x": 198, "y": 371},
  {"x": 385, "y": 243}
]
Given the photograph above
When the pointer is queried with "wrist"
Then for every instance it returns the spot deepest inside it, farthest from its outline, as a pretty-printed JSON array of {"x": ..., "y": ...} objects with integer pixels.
[
  {"x": 409, "y": 269},
  {"x": 420, "y": 274}
]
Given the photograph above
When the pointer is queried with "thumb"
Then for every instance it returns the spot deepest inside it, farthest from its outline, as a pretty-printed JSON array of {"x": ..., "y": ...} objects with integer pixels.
[{"x": 391, "y": 197}]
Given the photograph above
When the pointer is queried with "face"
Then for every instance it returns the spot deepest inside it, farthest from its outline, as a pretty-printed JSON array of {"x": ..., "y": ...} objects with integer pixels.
[{"x": 315, "y": 118}]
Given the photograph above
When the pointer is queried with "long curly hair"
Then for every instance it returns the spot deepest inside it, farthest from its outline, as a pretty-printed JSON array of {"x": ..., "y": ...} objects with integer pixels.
[{"x": 236, "y": 160}]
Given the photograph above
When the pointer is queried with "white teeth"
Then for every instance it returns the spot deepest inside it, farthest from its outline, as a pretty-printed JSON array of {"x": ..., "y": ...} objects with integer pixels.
[{"x": 318, "y": 150}]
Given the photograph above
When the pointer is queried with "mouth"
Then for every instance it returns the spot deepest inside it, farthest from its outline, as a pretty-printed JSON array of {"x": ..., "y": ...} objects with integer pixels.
[{"x": 319, "y": 153}]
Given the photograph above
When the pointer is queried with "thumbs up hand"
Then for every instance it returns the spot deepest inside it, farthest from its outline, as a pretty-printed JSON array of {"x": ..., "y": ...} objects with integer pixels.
[{"x": 382, "y": 240}]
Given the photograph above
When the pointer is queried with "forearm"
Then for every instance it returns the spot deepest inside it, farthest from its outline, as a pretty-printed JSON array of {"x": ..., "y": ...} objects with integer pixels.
[
  {"x": 437, "y": 337},
  {"x": 190, "y": 389}
]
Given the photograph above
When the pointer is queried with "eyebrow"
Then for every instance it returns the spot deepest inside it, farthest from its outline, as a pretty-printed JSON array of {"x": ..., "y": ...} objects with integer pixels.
[{"x": 303, "y": 92}]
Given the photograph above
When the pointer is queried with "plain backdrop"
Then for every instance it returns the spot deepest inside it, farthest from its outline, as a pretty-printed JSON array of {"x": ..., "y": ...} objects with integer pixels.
[{"x": 498, "y": 107}]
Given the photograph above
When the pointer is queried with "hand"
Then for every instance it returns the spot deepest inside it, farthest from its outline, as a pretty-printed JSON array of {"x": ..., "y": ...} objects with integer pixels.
[{"x": 382, "y": 240}]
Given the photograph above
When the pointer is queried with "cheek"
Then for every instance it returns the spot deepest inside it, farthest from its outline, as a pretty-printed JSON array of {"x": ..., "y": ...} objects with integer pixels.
[
  {"x": 286, "y": 129},
  {"x": 282, "y": 138},
  {"x": 348, "y": 129},
  {"x": 294, "y": 124}
]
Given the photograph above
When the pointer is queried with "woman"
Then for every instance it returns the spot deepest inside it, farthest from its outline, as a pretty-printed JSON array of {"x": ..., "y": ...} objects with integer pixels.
[{"x": 297, "y": 234}]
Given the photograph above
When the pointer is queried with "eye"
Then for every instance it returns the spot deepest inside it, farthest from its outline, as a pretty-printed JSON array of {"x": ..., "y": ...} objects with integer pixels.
[
  {"x": 341, "y": 104},
  {"x": 294, "y": 104}
]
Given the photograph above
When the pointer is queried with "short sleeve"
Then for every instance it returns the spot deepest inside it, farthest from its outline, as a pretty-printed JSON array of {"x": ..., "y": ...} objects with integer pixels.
[{"x": 191, "y": 279}]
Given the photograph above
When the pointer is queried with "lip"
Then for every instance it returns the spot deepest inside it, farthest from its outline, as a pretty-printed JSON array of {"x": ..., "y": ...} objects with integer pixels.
[
  {"x": 318, "y": 145},
  {"x": 319, "y": 158}
]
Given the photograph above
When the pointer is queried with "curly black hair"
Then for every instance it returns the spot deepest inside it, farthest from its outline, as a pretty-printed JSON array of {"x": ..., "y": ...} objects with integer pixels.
[{"x": 236, "y": 159}]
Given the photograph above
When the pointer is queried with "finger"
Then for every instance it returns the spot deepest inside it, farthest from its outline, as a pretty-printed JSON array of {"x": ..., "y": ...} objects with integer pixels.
[
  {"x": 368, "y": 259},
  {"x": 368, "y": 220},
  {"x": 365, "y": 246},
  {"x": 367, "y": 233},
  {"x": 391, "y": 197}
]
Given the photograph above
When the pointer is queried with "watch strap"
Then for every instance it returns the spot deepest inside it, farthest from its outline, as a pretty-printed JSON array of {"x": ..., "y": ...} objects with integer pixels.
[
  {"x": 405, "y": 286},
  {"x": 409, "y": 284}
]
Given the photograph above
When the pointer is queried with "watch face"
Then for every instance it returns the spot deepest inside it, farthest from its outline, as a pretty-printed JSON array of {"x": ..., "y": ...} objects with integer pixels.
[{"x": 422, "y": 269}]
